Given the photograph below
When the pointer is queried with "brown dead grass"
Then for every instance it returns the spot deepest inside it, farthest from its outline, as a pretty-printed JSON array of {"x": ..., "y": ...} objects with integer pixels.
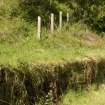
[{"x": 91, "y": 38}]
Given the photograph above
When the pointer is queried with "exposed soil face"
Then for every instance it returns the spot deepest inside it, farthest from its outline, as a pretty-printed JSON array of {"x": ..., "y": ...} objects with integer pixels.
[
  {"x": 28, "y": 83},
  {"x": 92, "y": 38}
]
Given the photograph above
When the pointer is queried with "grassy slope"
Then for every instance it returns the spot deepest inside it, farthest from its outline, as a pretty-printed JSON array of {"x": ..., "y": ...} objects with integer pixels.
[
  {"x": 18, "y": 43},
  {"x": 65, "y": 45}
]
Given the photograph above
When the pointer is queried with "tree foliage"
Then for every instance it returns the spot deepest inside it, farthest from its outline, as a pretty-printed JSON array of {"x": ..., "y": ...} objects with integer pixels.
[{"x": 92, "y": 12}]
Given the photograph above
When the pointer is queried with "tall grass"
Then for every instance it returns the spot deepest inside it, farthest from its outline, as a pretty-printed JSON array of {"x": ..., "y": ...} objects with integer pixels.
[
  {"x": 91, "y": 97},
  {"x": 18, "y": 42}
]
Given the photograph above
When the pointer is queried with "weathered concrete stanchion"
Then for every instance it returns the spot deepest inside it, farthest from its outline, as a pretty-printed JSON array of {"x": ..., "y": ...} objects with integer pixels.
[
  {"x": 39, "y": 28},
  {"x": 68, "y": 17},
  {"x": 60, "y": 20},
  {"x": 52, "y": 23},
  {"x": 2, "y": 2}
]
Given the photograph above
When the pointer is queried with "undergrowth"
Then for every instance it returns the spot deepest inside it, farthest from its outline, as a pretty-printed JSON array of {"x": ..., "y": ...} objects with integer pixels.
[
  {"x": 90, "y": 97},
  {"x": 75, "y": 42},
  {"x": 18, "y": 42}
]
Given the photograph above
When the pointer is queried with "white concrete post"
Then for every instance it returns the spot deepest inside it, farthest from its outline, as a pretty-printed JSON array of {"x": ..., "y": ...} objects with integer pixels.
[
  {"x": 52, "y": 23},
  {"x": 50, "y": 2},
  {"x": 2, "y": 2},
  {"x": 39, "y": 28},
  {"x": 60, "y": 19},
  {"x": 68, "y": 17}
]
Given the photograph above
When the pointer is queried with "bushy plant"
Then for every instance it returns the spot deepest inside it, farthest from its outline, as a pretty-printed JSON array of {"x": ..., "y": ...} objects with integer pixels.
[{"x": 91, "y": 12}]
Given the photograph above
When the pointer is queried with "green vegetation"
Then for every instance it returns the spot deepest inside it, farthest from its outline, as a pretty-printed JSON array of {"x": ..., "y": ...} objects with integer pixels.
[
  {"x": 46, "y": 83},
  {"x": 18, "y": 40},
  {"x": 19, "y": 43},
  {"x": 90, "y": 97},
  {"x": 58, "y": 61},
  {"x": 91, "y": 12}
]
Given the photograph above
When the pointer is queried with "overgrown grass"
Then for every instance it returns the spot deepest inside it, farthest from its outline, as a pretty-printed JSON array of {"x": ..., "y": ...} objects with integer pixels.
[
  {"x": 91, "y": 97},
  {"x": 18, "y": 42}
]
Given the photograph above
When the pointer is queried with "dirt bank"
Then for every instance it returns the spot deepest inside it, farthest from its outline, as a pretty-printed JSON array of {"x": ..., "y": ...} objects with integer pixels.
[{"x": 27, "y": 83}]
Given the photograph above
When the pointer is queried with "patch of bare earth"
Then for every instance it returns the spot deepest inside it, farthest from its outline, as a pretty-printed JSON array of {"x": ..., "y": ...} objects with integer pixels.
[{"x": 92, "y": 38}]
